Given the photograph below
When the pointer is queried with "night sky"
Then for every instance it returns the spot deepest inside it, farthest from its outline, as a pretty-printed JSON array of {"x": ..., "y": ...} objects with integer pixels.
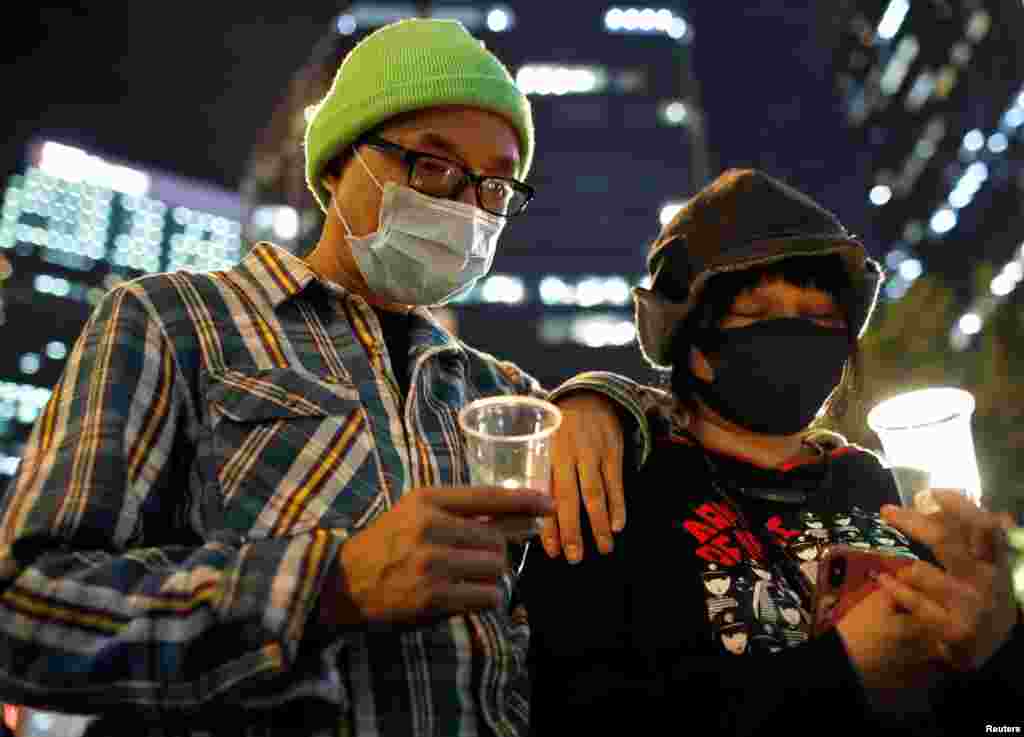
[{"x": 187, "y": 87}]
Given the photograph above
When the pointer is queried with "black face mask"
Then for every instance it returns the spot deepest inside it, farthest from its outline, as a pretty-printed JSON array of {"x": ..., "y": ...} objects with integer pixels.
[{"x": 770, "y": 377}]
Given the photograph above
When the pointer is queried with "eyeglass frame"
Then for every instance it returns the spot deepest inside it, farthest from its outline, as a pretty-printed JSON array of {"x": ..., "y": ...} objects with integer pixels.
[{"x": 410, "y": 156}]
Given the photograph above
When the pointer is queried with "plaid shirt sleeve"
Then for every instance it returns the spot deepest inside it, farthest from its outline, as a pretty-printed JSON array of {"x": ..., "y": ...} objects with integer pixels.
[{"x": 97, "y": 606}]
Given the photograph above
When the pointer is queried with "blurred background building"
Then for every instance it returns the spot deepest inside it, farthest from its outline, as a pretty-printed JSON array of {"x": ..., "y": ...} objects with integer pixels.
[
  {"x": 933, "y": 96},
  {"x": 72, "y": 226}
]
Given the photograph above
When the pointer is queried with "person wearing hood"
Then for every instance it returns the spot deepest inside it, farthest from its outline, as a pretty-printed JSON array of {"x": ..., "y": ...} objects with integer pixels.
[
  {"x": 758, "y": 299},
  {"x": 246, "y": 507}
]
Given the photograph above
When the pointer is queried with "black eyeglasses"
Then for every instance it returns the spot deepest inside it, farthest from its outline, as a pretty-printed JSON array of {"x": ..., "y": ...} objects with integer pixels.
[{"x": 439, "y": 177}]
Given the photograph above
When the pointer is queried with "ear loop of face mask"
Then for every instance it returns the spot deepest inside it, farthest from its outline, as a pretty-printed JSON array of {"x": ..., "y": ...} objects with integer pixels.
[{"x": 334, "y": 198}]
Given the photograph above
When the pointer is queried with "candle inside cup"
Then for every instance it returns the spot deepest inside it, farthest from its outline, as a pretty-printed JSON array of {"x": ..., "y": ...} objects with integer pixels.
[
  {"x": 926, "y": 437},
  {"x": 508, "y": 443}
]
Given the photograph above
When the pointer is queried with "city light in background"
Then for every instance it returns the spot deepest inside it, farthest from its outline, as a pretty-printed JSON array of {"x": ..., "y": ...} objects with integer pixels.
[
  {"x": 368, "y": 16},
  {"x": 902, "y": 63},
  {"x": 647, "y": 21},
  {"x": 892, "y": 19},
  {"x": 548, "y": 79},
  {"x": 75, "y": 165},
  {"x": 675, "y": 112},
  {"x": 74, "y": 226},
  {"x": 93, "y": 211},
  {"x": 553, "y": 291}
]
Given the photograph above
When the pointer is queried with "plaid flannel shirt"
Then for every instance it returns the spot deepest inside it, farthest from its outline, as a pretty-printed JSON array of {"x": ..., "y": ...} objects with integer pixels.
[{"x": 214, "y": 440}]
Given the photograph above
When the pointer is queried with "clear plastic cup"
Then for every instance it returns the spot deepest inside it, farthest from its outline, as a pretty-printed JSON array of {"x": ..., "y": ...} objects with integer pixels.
[
  {"x": 926, "y": 438},
  {"x": 508, "y": 441}
]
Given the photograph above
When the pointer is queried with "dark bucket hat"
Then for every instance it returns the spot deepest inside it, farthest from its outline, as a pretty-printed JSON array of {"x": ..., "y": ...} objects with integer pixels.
[{"x": 743, "y": 219}]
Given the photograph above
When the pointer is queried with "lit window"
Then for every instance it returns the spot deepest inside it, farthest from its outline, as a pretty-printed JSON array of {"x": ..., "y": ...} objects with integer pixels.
[
  {"x": 678, "y": 29},
  {"x": 646, "y": 21},
  {"x": 56, "y": 350},
  {"x": 978, "y": 172},
  {"x": 29, "y": 363},
  {"x": 286, "y": 223},
  {"x": 898, "y": 66},
  {"x": 616, "y": 291},
  {"x": 503, "y": 289},
  {"x": 978, "y": 25},
  {"x": 1002, "y": 285},
  {"x": 1014, "y": 117},
  {"x": 974, "y": 140},
  {"x": 892, "y": 19},
  {"x": 540, "y": 79},
  {"x": 600, "y": 331},
  {"x": 894, "y": 258},
  {"x": 960, "y": 197},
  {"x": 997, "y": 143},
  {"x": 614, "y": 19},
  {"x": 590, "y": 292},
  {"x": 498, "y": 20},
  {"x": 675, "y": 113},
  {"x": 880, "y": 194},
  {"x": 943, "y": 221},
  {"x": 921, "y": 90},
  {"x": 346, "y": 24},
  {"x": 970, "y": 324},
  {"x": 554, "y": 291},
  {"x": 1014, "y": 270},
  {"x": 911, "y": 269},
  {"x": 8, "y": 467}
]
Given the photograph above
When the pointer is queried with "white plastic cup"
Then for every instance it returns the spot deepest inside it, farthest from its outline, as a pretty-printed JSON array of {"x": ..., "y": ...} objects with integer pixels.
[
  {"x": 926, "y": 438},
  {"x": 508, "y": 441}
]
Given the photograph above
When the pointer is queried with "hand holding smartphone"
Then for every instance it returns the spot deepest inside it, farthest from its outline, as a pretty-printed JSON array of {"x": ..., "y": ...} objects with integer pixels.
[{"x": 847, "y": 575}]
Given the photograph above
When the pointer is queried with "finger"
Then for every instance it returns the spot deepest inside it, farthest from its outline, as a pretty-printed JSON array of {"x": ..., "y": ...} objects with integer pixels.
[
  {"x": 465, "y": 565},
  {"x": 466, "y": 596},
  {"x": 941, "y": 532},
  {"x": 951, "y": 608},
  {"x": 930, "y": 529},
  {"x": 950, "y": 592},
  {"x": 934, "y": 618},
  {"x": 567, "y": 501},
  {"x": 592, "y": 487},
  {"x": 458, "y": 532},
  {"x": 492, "y": 501},
  {"x": 614, "y": 485},
  {"x": 568, "y": 509},
  {"x": 549, "y": 537},
  {"x": 516, "y": 529},
  {"x": 989, "y": 541},
  {"x": 955, "y": 501}
]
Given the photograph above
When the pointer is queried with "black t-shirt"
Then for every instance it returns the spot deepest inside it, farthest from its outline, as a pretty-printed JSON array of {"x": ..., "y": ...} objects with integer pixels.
[
  {"x": 689, "y": 624},
  {"x": 396, "y": 327}
]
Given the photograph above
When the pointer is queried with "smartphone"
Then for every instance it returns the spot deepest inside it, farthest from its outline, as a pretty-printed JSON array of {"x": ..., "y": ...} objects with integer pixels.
[{"x": 846, "y": 575}]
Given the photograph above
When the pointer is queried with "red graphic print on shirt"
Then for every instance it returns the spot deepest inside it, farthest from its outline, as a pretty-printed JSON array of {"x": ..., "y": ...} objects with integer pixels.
[{"x": 722, "y": 541}]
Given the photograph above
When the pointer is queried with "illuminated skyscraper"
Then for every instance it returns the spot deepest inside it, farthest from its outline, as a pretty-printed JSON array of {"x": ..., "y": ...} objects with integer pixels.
[{"x": 72, "y": 226}]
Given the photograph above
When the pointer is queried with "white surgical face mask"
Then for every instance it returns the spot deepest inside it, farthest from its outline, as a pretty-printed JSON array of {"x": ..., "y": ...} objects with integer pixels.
[{"x": 426, "y": 251}]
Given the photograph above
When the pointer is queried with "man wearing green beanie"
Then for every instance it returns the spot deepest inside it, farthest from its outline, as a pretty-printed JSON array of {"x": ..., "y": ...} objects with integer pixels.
[{"x": 246, "y": 508}]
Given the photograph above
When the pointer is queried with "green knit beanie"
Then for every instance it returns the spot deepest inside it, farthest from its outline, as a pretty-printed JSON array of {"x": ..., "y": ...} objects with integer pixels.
[{"x": 410, "y": 65}]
